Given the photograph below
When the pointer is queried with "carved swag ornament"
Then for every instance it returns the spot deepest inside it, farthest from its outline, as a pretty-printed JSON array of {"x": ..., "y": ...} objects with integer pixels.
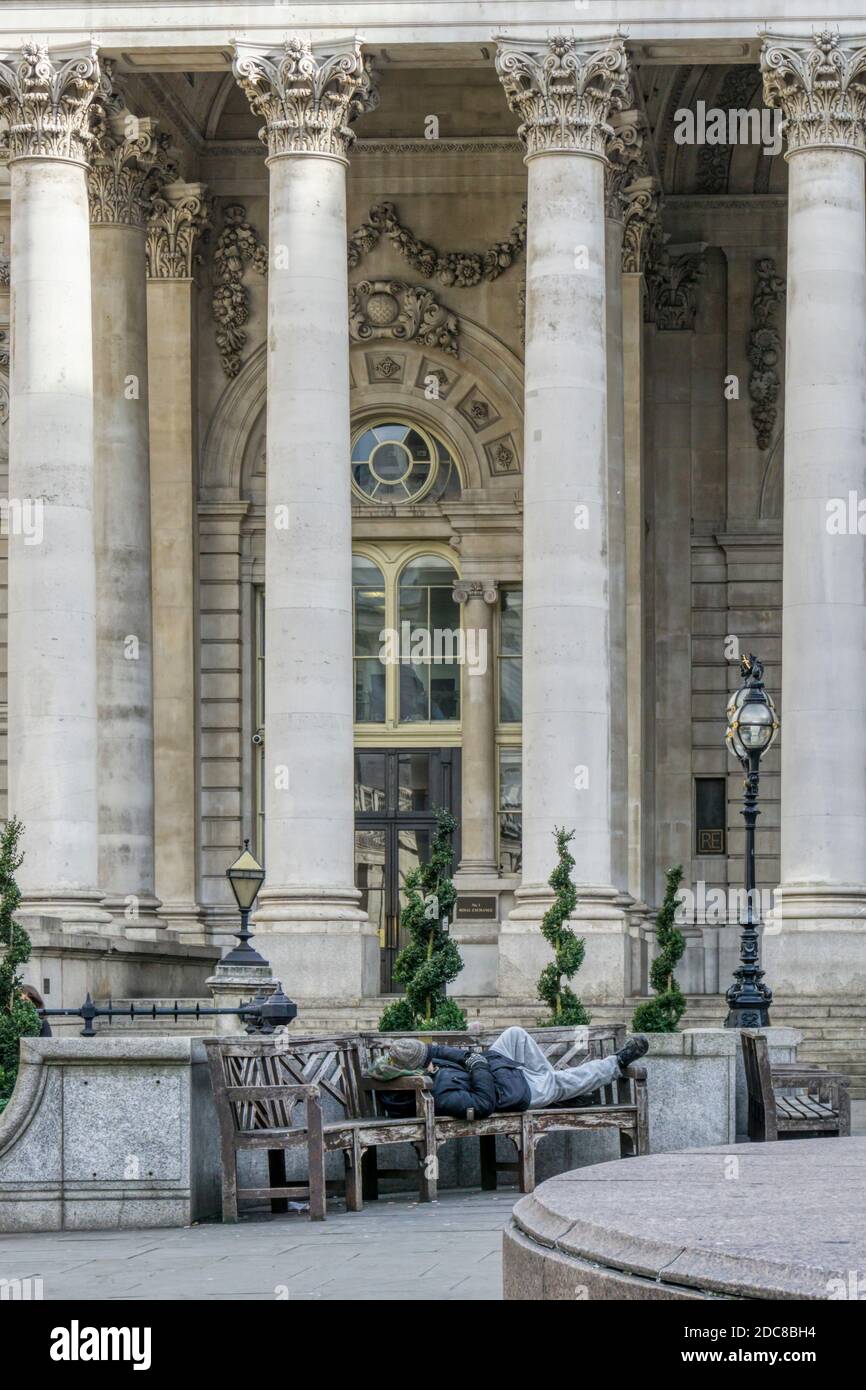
[{"x": 461, "y": 268}]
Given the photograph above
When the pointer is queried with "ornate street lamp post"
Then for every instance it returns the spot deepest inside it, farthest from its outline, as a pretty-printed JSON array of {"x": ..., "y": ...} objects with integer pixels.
[
  {"x": 752, "y": 726},
  {"x": 246, "y": 876}
]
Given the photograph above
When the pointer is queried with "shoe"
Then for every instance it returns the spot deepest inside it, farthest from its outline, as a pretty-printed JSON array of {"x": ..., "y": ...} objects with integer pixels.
[{"x": 634, "y": 1048}]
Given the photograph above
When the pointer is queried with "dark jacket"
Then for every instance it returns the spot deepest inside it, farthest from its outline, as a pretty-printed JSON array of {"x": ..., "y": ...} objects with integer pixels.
[{"x": 495, "y": 1084}]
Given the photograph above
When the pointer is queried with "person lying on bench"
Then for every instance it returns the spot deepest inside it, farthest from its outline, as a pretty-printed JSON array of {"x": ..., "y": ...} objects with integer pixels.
[{"x": 512, "y": 1074}]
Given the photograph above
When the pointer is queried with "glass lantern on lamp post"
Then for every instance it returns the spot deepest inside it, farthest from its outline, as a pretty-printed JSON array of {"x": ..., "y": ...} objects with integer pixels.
[
  {"x": 246, "y": 876},
  {"x": 752, "y": 727}
]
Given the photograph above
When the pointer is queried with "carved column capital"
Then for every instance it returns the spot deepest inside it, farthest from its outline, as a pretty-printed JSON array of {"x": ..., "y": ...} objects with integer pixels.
[
  {"x": 819, "y": 84},
  {"x": 179, "y": 213},
  {"x": 308, "y": 97},
  {"x": 640, "y": 222},
  {"x": 129, "y": 162},
  {"x": 466, "y": 589},
  {"x": 672, "y": 281},
  {"x": 624, "y": 149},
  {"x": 564, "y": 91},
  {"x": 45, "y": 99}
]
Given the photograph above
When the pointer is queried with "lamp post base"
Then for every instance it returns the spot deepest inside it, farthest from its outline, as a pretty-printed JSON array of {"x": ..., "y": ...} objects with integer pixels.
[{"x": 749, "y": 1015}]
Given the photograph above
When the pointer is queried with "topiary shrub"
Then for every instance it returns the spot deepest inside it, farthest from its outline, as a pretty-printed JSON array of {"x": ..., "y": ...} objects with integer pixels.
[
  {"x": 430, "y": 960},
  {"x": 565, "y": 1007},
  {"x": 662, "y": 1014},
  {"x": 18, "y": 1017}
]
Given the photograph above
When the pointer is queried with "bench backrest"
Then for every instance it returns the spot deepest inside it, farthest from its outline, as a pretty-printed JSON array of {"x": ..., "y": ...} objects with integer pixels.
[
  {"x": 759, "y": 1084},
  {"x": 329, "y": 1063}
]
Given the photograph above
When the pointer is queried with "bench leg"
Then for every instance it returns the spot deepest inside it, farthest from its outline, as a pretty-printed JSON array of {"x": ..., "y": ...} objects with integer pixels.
[
  {"x": 354, "y": 1185},
  {"x": 487, "y": 1149},
  {"x": 428, "y": 1152},
  {"x": 316, "y": 1161},
  {"x": 526, "y": 1158},
  {"x": 230, "y": 1187},
  {"x": 370, "y": 1175},
  {"x": 428, "y": 1173},
  {"x": 277, "y": 1178}
]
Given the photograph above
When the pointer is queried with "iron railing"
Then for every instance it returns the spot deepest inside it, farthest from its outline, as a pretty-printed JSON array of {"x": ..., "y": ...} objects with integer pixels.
[{"x": 260, "y": 1015}]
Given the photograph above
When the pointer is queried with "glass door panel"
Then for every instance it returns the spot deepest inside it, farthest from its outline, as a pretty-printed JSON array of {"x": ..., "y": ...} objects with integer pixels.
[
  {"x": 396, "y": 791},
  {"x": 371, "y": 862}
]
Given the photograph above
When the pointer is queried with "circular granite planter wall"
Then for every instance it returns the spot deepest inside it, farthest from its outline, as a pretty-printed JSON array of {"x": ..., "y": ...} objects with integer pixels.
[{"x": 672, "y": 1226}]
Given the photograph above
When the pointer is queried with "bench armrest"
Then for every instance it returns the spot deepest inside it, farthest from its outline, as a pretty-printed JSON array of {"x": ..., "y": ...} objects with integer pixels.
[
  {"x": 792, "y": 1075},
  {"x": 399, "y": 1083}
]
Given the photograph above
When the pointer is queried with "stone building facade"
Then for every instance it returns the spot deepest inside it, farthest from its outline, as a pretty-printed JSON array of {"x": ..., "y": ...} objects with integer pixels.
[{"x": 403, "y": 411}]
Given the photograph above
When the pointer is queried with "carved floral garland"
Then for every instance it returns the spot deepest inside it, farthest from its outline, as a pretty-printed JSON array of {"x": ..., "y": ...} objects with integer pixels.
[
  {"x": 239, "y": 245},
  {"x": 461, "y": 268},
  {"x": 765, "y": 349}
]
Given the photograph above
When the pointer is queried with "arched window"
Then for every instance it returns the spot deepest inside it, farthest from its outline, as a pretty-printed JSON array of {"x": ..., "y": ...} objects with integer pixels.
[
  {"x": 395, "y": 462},
  {"x": 408, "y": 640}
]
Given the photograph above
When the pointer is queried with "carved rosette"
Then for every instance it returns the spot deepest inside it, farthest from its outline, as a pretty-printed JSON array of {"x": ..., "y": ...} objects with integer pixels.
[
  {"x": 392, "y": 309},
  {"x": 640, "y": 223},
  {"x": 564, "y": 90},
  {"x": 624, "y": 150},
  {"x": 307, "y": 98},
  {"x": 178, "y": 216},
  {"x": 819, "y": 84},
  {"x": 130, "y": 161},
  {"x": 45, "y": 99},
  {"x": 465, "y": 589}
]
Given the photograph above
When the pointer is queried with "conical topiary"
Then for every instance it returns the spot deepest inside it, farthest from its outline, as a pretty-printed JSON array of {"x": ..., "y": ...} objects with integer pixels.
[
  {"x": 565, "y": 1007},
  {"x": 431, "y": 960},
  {"x": 662, "y": 1014},
  {"x": 18, "y": 1017}
]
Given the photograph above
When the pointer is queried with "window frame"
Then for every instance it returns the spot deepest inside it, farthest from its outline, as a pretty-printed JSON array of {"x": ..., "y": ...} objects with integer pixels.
[{"x": 392, "y": 558}]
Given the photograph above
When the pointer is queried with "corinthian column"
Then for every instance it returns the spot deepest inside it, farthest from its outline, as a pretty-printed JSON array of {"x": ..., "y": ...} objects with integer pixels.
[
  {"x": 640, "y": 199},
  {"x": 623, "y": 150},
  {"x": 178, "y": 215},
  {"x": 317, "y": 939},
  {"x": 127, "y": 157},
  {"x": 816, "y": 940},
  {"x": 564, "y": 91},
  {"x": 45, "y": 100}
]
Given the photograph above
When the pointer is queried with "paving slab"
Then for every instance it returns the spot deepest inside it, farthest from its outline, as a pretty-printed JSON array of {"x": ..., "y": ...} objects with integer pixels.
[{"x": 449, "y": 1250}]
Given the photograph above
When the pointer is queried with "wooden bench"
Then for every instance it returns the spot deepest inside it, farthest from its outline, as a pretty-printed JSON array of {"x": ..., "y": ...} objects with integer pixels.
[
  {"x": 276, "y": 1095},
  {"x": 820, "y": 1105},
  {"x": 623, "y": 1104},
  {"x": 288, "y": 1093}
]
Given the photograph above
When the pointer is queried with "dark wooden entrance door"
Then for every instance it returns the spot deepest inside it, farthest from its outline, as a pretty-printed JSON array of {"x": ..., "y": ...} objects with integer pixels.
[{"x": 397, "y": 791}]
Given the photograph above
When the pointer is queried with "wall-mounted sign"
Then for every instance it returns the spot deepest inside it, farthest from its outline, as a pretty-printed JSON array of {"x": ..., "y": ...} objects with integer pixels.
[{"x": 477, "y": 908}]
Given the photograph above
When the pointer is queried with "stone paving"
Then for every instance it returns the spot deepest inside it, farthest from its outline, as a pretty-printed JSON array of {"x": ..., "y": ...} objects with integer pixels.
[{"x": 395, "y": 1249}]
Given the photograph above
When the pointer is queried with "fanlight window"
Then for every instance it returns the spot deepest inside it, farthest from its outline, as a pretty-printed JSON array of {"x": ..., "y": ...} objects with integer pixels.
[{"x": 397, "y": 463}]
